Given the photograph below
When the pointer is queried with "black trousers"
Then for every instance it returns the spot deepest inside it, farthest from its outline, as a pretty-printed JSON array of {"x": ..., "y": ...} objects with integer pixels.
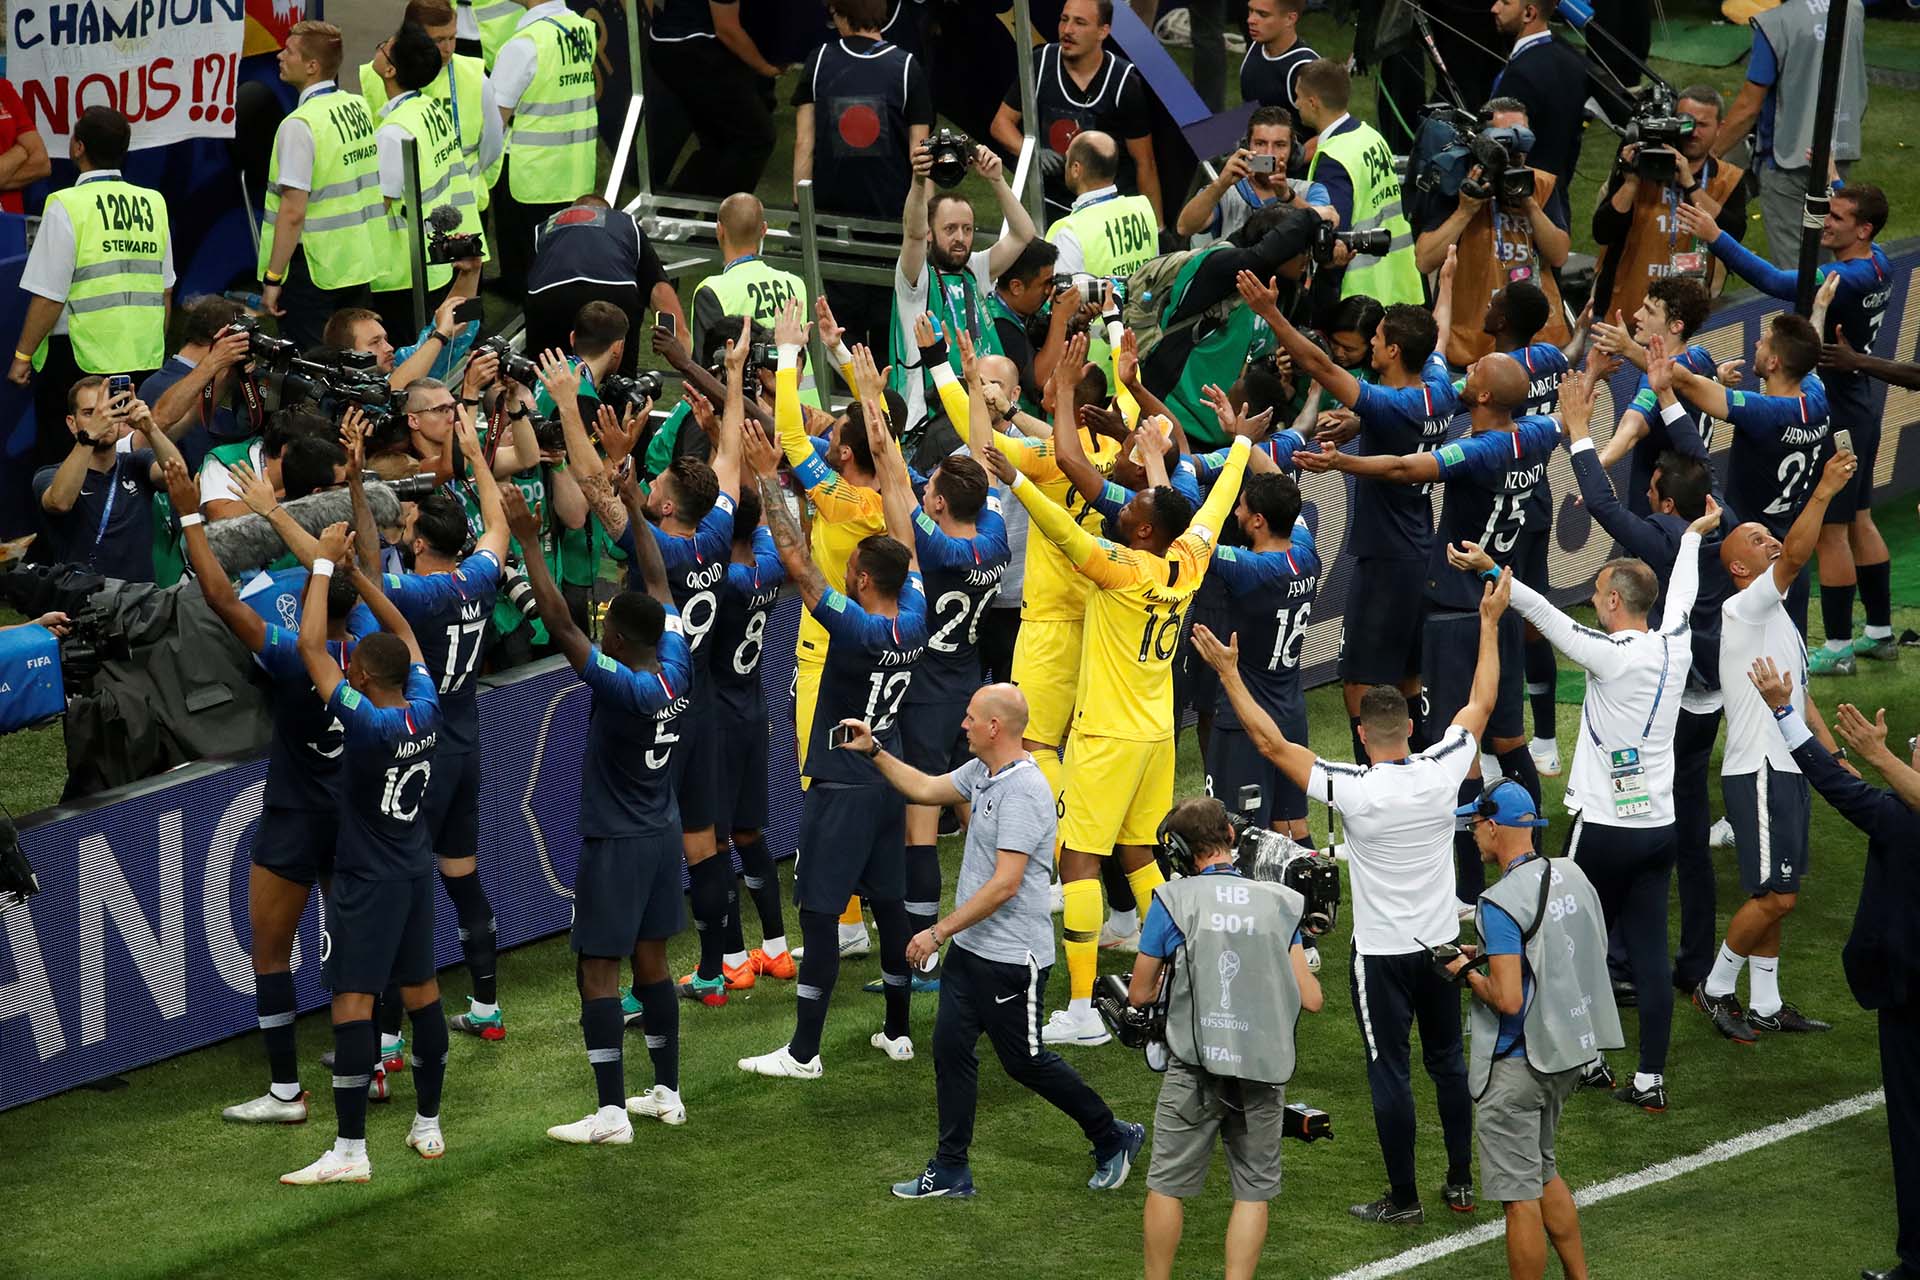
[
  {"x": 1391, "y": 993},
  {"x": 724, "y": 105},
  {"x": 1004, "y": 1001},
  {"x": 550, "y": 315},
  {"x": 999, "y": 629},
  {"x": 308, "y": 306},
  {"x": 514, "y": 223},
  {"x": 1693, "y": 859},
  {"x": 1900, "y": 1076},
  {"x": 1629, "y": 868}
]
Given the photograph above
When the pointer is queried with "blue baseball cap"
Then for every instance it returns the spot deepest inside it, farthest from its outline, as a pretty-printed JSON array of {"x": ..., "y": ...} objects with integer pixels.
[{"x": 1507, "y": 803}]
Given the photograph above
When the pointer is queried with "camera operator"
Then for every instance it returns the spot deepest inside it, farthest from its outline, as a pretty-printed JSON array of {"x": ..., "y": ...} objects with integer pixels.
[
  {"x": 939, "y": 272},
  {"x": 1078, "y": 85},
  {"x": 100, "y": 288},
  {"x": 1539, "y": 1013},
  {"x": 443, "y": 343},
  {"x": 1636, "y": 221},
  {"x": 1400, "y": 853},
  {"x": 191, "y": 392},
  {"x": 407, "y": 63},
  {"x": 1352, "y": 161},
  {"x": 1229, "y": 952},
  {"x": 97, "y": 505},
  {"x": 322, "y": 200},
  {"x": 1253, "y": 177},
  {"x": 1777, "y": 104},
  {"x": 593, "y": 252},
  {"x": 1548, "y": 78},
  {"x": 719, "y": 88},
  {"x": 1503, "y": 237},
  {"x": 544, "y": 82},
  {"x": 861, "y": 109},
  {"x": 746, "y": 285}
]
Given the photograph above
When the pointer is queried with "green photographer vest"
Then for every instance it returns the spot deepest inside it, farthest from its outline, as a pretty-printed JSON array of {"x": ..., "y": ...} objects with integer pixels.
[
  {"x": 1376, "y": 206},
  {"x": 443, "y": 180},
  {"x": 1233, "y": 1002},
  {"x": 117, "y": 301},
  {"x": 345, "y": 218},
  {"x": 496, "y": 20},
  {"x": 954, "y": 299},
  {"x": 554, "y": 138}
]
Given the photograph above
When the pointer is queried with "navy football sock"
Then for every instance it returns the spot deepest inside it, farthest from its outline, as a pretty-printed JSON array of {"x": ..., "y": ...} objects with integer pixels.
[
  {"x": 819, "y": 970},
  {"x": 896, "y": 975},
  {"x": 1120, "y": 895},
  {"x": 763, "y": 884},
  {"x": 661, "y": 1010},
  {"x": 1876, "y": 592},
  {"x": 355, "y": 1045},
  {"x": 389, "y": 1009},
  {"x": 923, "y": 887},
  {"x": 709, "y": 895},
  {"x": 1836, "y": 611},
  {"x": 429, "y": 1057},
  {"x": 1359, "y": 747},
  {"x": 273, "y": 1003},
  {"x": 600, "y": 1026},
  {"x": 478, "y": 933},
  {"x": 1470, "y": 878},
  {"x": 1518, "y": 765},
  {"x": 1541, "y": 676}
]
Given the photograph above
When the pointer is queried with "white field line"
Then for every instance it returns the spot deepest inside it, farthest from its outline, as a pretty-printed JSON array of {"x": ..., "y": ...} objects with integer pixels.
[{"x": 1666, "y": 1171}]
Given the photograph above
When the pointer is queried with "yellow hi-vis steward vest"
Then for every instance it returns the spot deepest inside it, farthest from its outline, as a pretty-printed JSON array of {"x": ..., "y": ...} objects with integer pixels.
[
  {"x": 344, "y": 213},
  {"x": 1376, "y": 206},
  {"x": 553, "y": 140},
  {"x": 117, "y": 301},
  {"x": 1117, "y": 237},
  {"x": 443, "y": 180},
  {"x": 458, "y": 85},
  {"x": 749, "y": 287}
]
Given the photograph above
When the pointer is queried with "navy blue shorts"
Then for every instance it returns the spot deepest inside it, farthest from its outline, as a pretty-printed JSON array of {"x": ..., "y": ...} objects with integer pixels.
[
  {"x": 1380, "y": 642},
  {"x": 378, "y": 932},
  {"x": 296, "y": 844},
  {"x": 930, "y": 738},
  {"x": 1450, "y": 650},
  {"x": 453, "y": 805},
  {"x": 852, "y": 840},
  {"x": 626, "y": 890},
  {"x": 695, "y": 758},
  {"x": 1531, "y": 565},
  {"x": 740, "y": 775},
  {"x": 1234, "y": 762},
  {"x": 1769, "y": 812},
  {"x": 1196, "y": 686},
  {"x": 1858, "y": 495}
]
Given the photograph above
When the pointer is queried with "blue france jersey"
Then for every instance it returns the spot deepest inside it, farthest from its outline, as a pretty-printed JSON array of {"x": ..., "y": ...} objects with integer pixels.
[
  {"x": 389, "y": 762},
  {"x": 869, "y": 667},
  {"x": 1546, "y": 366},
  {"x": 1395, "y": 521},
  {"x": 1778, "y": 442},
  {"x": 747, "y": 595},
  {"x": 695, "y": 567},
  {"x": 1647, "y": 450},
  {"x": 448, "y": 613},
  {"x": 303, "y": 758},
  {"x": 962, "y": 577},
  {"x": 1270, "y": 604},
  {"x": 627, "y": 785},
  {"x": 1279, "y": 446},
  {"x": 1489, "y": 478}
]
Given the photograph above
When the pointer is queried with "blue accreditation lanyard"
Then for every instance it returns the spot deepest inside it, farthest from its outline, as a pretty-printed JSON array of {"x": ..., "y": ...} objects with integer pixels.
[{"x": 106, "y": 512}]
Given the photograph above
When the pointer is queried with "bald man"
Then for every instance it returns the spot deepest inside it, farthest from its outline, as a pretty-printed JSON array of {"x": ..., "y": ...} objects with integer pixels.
[
  {"x": 1105, "y": 236},
  {"x": 994, "y": 978},
  {"x": 1489, "y": 473},
  {"x": 745, "y": 285}
]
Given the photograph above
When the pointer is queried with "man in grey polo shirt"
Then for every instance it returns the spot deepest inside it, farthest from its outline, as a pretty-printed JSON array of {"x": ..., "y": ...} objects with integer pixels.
[{"x": 995, "y": 979}]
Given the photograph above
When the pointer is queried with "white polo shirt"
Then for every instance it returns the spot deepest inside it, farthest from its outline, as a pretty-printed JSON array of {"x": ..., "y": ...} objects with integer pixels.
[
  {"x": 1399, "y": 825},
  {"x": 1754, "y": 623}
]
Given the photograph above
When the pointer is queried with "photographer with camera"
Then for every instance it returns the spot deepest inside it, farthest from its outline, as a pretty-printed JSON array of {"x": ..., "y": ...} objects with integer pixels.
[
  {"x": 100, "y": 286},
  {"x": 323, "y": 207},
  {"x": 939, "y": 272},
  {"x": 1503, "y": 232},
  {"x": 1253, "y": 177},
  {"x": 441, "y": 345},
  {"x": 97, "y": 505},
  {"x": 1541, "y": 1010},
  {"x": 1079, "y": 85},
  {"x": 1636, "y": 222},
  {"x": 1400, "y": 855},
  {"x": 1548, "y": 79},
  {"x": 192, "y": 392},
  {"x": 593, "y": 252},
  {"x": 1222, "y": 953},
  {"x": 1355, "y": 166}
]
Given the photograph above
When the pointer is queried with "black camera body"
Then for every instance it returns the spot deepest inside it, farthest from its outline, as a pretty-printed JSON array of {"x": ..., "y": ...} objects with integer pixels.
[
  {"x": 444, "y": 242},
  {"x": 513, "y": 365},
  {"x": 763, "y": 354},
  {"x": 332, "y": 384},
  {"x": 1132, "y": 1026},
  {"x": 952, "y": 157},
  {"x": 1374, "y": 243},
  {"x": 1659, "y": 138},
  {"x": 409, "y": 488},
  {"x": 636, "y": 392},
  {"x": 1504, "y": 177},
  {"x": 1265, "y": 854}
]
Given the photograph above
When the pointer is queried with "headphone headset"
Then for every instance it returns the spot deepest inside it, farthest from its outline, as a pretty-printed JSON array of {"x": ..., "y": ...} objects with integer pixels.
[
  {"x": 1176, "y": 852},
  {"x": 1486, "y": 806}
]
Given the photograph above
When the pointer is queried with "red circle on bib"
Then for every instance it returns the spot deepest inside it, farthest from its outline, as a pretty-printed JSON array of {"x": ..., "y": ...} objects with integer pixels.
[{"x": 859, "y": 126}]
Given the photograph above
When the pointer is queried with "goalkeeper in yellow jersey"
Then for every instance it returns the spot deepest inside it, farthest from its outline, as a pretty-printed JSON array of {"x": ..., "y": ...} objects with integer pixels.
[{"x": 1120, "y": 757}]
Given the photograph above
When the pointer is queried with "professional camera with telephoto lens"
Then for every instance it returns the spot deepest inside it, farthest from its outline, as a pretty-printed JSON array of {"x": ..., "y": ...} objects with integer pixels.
[
  {"x": 1504, "y": 177},
  {"x": 760, "y": 355},
  {"x": 408, "y": 488},
  {"x": 551, "y": 436},
  {"x": 332, "y": 384},
  {"x": 637, "y": 392},
  {"x": 952, "y": 157},
  {"x": 444, "y": 242},
  {"x": 1453, "y": 143},
  {"x": 92, "y": 641},
  {"x": 513, "y": 365},
  {"x": 1375, "y": 243},
  {"x": 518, "y": 590}
]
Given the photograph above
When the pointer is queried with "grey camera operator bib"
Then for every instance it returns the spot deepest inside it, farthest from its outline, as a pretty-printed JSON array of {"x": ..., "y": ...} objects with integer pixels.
[{"x": 1233, "y": 1002}]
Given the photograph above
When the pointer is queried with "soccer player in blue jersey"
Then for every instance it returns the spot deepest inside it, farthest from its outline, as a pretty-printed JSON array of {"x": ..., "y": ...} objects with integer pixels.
[
  {"x": 292, "y": 847},
  {"x": 447, "y": 598},
  {"x": 1851, "y": 548},
  {"x": 626, "y": 890},
  {"x": 1405, "y": 412},
  {"x": 1781, "y": 431},
  {"x": 1269, "y": 584},
  {"x": 380, "y": 909},
  {"x": 1489, "y": 474},
  {"x": 853, "y": 825},
  {"x": 1673, "y": 310}
]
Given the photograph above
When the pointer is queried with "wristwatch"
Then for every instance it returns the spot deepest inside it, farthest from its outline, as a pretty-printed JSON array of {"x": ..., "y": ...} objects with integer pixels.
[{"x": 875, "y": 753}]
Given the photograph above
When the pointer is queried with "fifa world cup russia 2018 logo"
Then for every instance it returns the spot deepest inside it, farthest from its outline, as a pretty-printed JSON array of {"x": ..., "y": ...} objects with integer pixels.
[{"x": 1229, "y": 970}]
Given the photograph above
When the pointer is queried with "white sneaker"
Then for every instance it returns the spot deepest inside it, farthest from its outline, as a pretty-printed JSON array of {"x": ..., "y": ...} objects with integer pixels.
[
  {"x": 608, "y": 1126},
  {"x": 851, "y": 947},
  {"x": 331, "y": 1167},
  {"x": 426, "y": 1138},
  {"x": 783, "y": 1065},
  {"x": 900, "y": 1050},
  {"x": 1721, "y": 837},
  {"x": 1112, "y": 941},
  {"x": 1057, "y": 897},
  {"x": 267, "y": 1109},
  {"x": 1068, "y": 1027},
  {"x": 658, "y": 1103},
  {"x": 1546, "y": 757}
]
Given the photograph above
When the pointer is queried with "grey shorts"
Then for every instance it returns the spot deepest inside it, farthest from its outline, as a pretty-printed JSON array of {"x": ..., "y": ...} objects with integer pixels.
[
  {"x": 1193, "y": 1110},
  {"x": 1515, "y": 1121}
]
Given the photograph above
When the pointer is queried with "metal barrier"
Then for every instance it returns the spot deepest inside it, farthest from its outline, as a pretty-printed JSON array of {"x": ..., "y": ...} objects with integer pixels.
[{"x": 416, "y": 230}]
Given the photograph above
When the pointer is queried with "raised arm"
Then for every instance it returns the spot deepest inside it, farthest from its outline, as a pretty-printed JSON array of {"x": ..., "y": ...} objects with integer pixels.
[
  {"x": 890, "y": 469},
  {"x": 1306, "y": 354},
  {"x": 1020, "y": 228},
  {"x": 1295, "y": 761},
  {"x": 1797, "y": 548},
  {"x": 913, "y": 219},
  {"x": 1749, "y": 266},
  {"x": 1683, "y": 583},
  {"x": 1443, "y": 294},
  {"x": 1486, "y": 671},
  {"x": 321, "y": 668},
  {"x": 1868, "y": 740},
  {"x": 1840, "y": 355},
  {"x": 257, "y": 493},
  {"x": 493, "y": 515},
  {"x": 789, "y": 539},
  {"x": 1068, "y": 452},
  {"x": 548, "y": 601},
  {"x": 247, "y": 626},
  {"x": 366, "y": 537}
]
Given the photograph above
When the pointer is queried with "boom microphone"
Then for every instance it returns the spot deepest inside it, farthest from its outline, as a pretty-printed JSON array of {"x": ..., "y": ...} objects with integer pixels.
[
  {"x": 444, "y": 219},
  {"x": 250, "y": 542}
]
